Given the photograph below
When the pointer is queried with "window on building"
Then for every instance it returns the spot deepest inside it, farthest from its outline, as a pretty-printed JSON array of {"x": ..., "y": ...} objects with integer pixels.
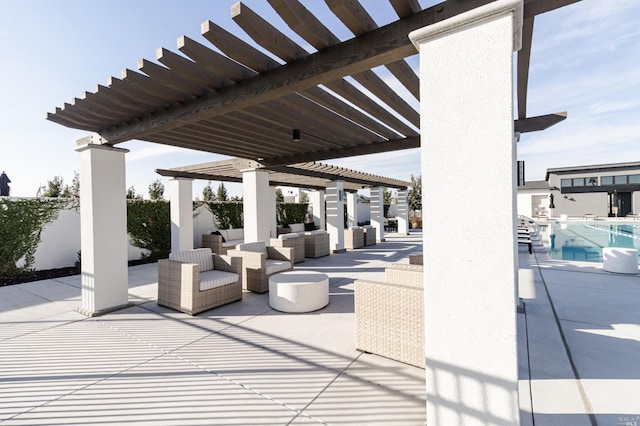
[
  {"x": 620, "y": 180},
  {"x": 634, "y": 178},
  {"x": 606, "y": 180},
  {"x": 565, "y": 182},
  {"x": 578, "y": 182},
  {"x": 592, "y": 181}
]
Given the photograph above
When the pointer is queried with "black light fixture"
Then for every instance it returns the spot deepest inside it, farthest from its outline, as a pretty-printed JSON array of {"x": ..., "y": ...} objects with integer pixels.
[{"x": 296, "y": 135}]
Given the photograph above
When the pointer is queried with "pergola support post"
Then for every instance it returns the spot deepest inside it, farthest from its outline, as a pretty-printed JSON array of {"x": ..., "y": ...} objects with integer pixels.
[
  {"x": 403, "y": 212},
  {"x": 317, "y": 203},
  {"x": 470, "y": 270},
  {"x": 273, "y": 218},
  {"x": 257, "y": 221},
  {"x": 352, "y": 209},
  {"x": 377, "y": 211},
  {"x": 181, "y": 206},
  {"x": 103, "y": 226},
  {"x": 335, "y": 215}
]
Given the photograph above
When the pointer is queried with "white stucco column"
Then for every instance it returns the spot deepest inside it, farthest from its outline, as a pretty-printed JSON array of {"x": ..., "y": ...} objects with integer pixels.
[
  {"x": 103, "y": 228},
  {"x": 335, "y": 216},
  {"x": 181, "y": 199},
  {"x": 468, "y": 153},
  {"x": 377, "y": 212},
  {"x": 257, "y": 218},
  {"x": 352, "y": 209},
  {"x": 317, "y": 202},
  {"x": 403, "y": 212},
  {"x": 273, "y": 220}
]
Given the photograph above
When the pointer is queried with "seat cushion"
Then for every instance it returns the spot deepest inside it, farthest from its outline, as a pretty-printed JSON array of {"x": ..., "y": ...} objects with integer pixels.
[
  {"x": 257, "y": 247},
  {"x": 235, "y": 234},
  {"x": 232, "y": 243},
  {"x": 297, "y": 227},
  {"x": 213, "y": 279},
  {"x": 272, "y": 266},
  {"x": 201, "y": 256}
]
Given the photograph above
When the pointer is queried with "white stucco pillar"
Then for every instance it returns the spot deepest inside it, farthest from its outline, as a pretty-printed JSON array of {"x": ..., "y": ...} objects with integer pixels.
[
  {"x": 181, "y": 199},
  {"x": 377, "y": 212},
  {"x": 257, "y": 218},
  {"x": 317, "y": 203},
  {"x": 335, "y": 216},
  {"x": 403, "y": 212},
  {"x": 466, "y": 92},
  {"x": 352, "y": 209},
  {"x": 103, "y": 228},
  {"x": 273, "y": 220}
]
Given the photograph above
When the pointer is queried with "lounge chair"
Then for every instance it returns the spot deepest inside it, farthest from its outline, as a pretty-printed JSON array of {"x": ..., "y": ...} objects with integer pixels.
[
  {"x": 259, "y": 262},
  {"x": 196, "y": 280}
]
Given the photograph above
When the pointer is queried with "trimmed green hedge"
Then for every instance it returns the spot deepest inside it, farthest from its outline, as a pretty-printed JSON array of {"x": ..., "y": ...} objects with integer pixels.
[
  {"x": 149, "y": 226},
  {"x": 227, "y": 214},
  {"x": 288, "y": 213}
]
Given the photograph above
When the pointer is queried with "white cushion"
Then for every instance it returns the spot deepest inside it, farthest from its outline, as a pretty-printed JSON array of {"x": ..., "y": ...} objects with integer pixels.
[
  {"x": 258, "y": 247},
  {"x": 224, "y": 233},
  {"x": 232, "y": 243},
  {"x": 213, "y": 279},
  {"x": 235, "y": 234},
  {"x": 288, "y": 236},
  {"x": 272, "y": 266},
  {"x": 297, "y": 227},
  {"x": 316, "y": 232},
  {"x": 201, "y": 256}
]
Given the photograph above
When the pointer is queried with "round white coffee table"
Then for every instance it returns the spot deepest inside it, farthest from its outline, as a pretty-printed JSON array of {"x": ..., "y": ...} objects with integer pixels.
[
  {"x": 298, "y": 291},
  {"x": 620, "y": 260}
]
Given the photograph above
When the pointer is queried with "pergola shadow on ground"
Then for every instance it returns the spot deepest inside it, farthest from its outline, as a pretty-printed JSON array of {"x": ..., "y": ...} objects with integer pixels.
[{"x": 238, "y": 101}]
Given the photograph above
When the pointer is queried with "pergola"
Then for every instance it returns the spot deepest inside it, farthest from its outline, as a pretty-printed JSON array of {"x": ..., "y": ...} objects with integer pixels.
[{"x": 229, "y": 97}]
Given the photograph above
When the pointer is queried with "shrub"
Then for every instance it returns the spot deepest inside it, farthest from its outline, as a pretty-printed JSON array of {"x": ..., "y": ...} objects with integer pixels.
[
  {"x": 288, "y": 213},
  {"x": 149, "y": 226},
  {"x": 227, "y": 214}
]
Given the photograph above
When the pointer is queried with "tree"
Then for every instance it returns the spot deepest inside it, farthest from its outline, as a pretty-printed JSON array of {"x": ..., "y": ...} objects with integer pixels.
[
  {"x": 221, "y": 194},
  {"x": 74, "y": 189},
  {"x": 386, "y": 196},
  {"x": 54, "y": 188},
  {"x": 279, "y": 196},
  {"x": 415, "y": 193},
  {"x": 131, "y": 194},
  {"x": 207, "y": 193},
  {"x": 304, "y": 198},
  {"x": 156, "y": 190}
]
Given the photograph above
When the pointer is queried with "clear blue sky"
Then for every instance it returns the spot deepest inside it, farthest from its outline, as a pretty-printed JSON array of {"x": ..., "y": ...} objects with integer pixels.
[{"x": 585, "y": 60}]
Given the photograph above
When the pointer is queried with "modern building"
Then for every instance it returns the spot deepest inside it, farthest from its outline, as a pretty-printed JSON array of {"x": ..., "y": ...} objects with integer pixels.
[{"x": 603, "y": 190}]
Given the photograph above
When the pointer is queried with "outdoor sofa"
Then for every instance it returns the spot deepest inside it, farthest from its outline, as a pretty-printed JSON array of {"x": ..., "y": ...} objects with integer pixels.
[
  {"x": 389, "y": 315},
  {"x": 259, "y": 262},
  {"x": 293, "y": 240},
  {"x": 223, "y": 240}
]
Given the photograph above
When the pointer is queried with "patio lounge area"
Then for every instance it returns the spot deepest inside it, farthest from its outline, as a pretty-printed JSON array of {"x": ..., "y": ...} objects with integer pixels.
[{"x": 245, "y": 363}]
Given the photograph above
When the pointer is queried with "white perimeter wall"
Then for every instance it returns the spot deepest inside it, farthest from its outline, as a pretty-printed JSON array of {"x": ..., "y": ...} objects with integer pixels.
[{"x": 60, "y": 239}]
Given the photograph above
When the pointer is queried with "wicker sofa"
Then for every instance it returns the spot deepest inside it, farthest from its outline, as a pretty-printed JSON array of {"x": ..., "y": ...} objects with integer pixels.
[
  {"x": 193, "y": 281},
  {"x": 354, "y": 238},
  {"x": 259, "y": 262},
  {"x": 293, "y": 240},
  {"x": 316, "y": 244},
  {"x": 380, "y": 328},
  {"x": 223, "y": 240}
]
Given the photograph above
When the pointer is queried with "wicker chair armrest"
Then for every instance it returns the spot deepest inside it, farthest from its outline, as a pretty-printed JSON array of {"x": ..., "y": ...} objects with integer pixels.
[
  {"x": 250, "y": 259},
  {"x": 214, "y": 242},
  {"x": 227, "y": 263},
  {"x": 280, "y": 253},
  {"x": 174, "y": 273},
  {"x": 410, "y": 275}
]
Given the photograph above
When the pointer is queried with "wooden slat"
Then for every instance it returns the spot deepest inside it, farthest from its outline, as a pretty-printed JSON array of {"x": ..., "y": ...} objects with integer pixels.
[
  {"x": 190, "y": 70},
  {"x": 214, "y": 61},
  {"x": 524, "y": 58},
  {"x": 538, "y": 7},
  {"x": 542, "y": 122},
  {"x": 153, "y": 88},
  {"x": 129, "y": 91},
  {"x": 118, "y": 97},
  {"x": 105, "y": 98},
  {"x": 405, "y": 8},
  {"x": 374, "y": 148},
  {"x": 165, "y": 77}
]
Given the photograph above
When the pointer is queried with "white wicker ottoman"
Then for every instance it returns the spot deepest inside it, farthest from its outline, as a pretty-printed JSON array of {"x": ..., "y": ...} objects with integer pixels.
[{"x": 298, "y": 291}]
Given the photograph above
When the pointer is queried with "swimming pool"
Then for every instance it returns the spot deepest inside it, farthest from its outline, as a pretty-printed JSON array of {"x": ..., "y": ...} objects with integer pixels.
[{"x": 584, "y": 241}]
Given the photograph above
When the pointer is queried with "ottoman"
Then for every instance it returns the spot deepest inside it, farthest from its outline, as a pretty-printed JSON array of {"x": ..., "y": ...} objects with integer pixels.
[
  {"x": 620, "y": 260},
  {"x": 298, "y": 291}
]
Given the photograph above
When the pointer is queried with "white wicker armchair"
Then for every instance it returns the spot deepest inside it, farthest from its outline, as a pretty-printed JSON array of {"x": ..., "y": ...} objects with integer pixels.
[
  {"x": 259, "y": 262},
  {"x": 193, "y": 281}
]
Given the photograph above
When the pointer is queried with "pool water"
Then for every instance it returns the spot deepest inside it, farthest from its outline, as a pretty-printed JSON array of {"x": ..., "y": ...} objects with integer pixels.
[{"x": 584, "y": 241}]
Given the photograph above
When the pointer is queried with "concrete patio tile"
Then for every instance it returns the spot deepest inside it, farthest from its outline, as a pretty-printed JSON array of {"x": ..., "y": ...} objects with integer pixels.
[
  {"x": 163, "y": 391},
  {"x": 373, "y": 390},
  {"x": 11, "y": 327},
  {"x": 50, "y": 363},
  {"x": 558, "y": 402},
  {"x": 279, "y": 369}
]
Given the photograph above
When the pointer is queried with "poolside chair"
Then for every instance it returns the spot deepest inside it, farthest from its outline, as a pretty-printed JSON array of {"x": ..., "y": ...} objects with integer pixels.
[
  {"x": 389, "y": 315},
  {"x": 196, "y": 280},
  {"x": 259, "y": 262}
]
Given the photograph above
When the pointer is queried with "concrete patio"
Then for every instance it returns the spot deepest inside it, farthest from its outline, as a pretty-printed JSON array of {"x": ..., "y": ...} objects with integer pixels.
[{"x": 245, "y": 363}]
